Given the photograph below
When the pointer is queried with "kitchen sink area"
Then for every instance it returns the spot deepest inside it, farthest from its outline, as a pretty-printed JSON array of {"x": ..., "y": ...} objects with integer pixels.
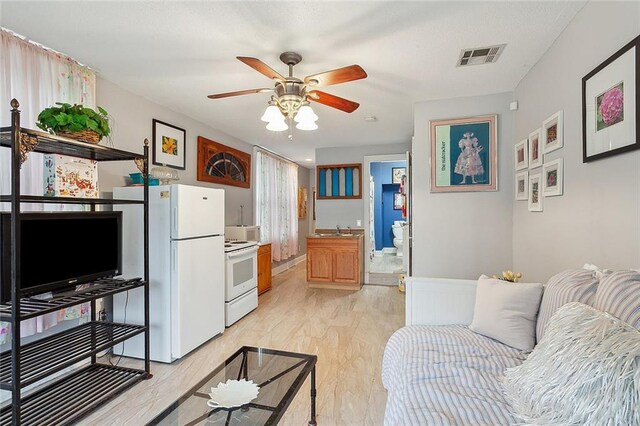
[{"x": 335, "y": 259}]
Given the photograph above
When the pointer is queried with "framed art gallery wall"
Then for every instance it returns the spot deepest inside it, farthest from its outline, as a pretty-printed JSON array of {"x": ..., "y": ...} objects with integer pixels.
[
  {"x": 596, "y": 218},
  {"x": 467, "y": 223}
]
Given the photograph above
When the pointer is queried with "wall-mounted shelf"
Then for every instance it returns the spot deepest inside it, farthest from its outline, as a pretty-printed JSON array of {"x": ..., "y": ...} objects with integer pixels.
[
  {"x": 339, "y": 181},
  {"x": 67, "y": 200}
]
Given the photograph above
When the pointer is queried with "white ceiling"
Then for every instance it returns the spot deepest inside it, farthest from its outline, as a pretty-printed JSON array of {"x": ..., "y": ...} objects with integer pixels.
[{"x": 176, "y": 53}]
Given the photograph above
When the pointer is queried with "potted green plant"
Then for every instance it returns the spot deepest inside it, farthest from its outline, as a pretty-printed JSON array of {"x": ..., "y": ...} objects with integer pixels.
[{"x": 75, "y": 121}]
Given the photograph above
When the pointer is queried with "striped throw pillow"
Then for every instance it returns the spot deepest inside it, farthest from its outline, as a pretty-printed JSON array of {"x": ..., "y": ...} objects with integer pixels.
[
  {"x": 619, "y": 295},
  {"x": 574, "y": 285}
]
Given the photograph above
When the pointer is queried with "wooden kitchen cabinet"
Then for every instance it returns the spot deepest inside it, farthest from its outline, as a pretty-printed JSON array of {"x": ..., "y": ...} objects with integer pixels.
[
  {"x": 335, "y": 262},
  {"x": 264, "y": 268}
]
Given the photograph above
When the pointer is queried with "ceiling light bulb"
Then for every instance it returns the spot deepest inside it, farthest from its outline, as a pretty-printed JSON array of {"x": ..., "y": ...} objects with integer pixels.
[
  {"x": 307, "y": 125},
  {"x": 272, "y": 113},
  {"x": 277, "y": 126},
  {"x": 305, "y": 114}
]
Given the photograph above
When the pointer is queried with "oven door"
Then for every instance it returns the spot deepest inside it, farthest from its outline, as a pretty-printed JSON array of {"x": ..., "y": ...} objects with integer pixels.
[{"x": 242, "y": 272}]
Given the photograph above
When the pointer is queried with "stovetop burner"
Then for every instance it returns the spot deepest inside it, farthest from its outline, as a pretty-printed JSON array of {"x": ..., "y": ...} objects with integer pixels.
[
  {"x": 239, "y": 242},
  {"x": 227, "y": 245}
]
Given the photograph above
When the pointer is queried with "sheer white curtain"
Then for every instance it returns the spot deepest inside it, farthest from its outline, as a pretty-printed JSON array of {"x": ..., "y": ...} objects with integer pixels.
[
  {"x": 276, "y": 186},
  {"x": 38, "y": 78}
]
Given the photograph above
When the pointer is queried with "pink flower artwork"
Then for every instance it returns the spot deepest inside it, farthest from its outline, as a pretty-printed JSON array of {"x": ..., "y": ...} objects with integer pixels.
[{"x": 610, "y": 107}]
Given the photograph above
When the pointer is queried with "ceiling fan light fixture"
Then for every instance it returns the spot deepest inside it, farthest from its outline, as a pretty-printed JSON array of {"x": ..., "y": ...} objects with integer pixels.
[
  {"x": 305, "y": 113},
  {"x": 307, "y": 125},
  {"x": 277, "y": 126},
  {"x": 272, "y": 113}
]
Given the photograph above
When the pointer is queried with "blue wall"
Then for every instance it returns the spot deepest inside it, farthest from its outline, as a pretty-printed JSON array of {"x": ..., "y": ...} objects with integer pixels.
[{"x": 384, "y": 215}]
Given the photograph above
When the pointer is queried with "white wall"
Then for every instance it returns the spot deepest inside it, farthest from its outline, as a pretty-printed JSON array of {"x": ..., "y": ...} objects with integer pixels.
[
  {"x": 131, "y": 124},
  {"x": 330, "y": 213},
  {"x": 462, "y": 235},
  {"x": 597, "y": 219}
]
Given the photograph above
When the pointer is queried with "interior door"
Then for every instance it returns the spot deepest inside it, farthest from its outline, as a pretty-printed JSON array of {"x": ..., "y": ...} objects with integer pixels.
[{"x": 407, "y": 232}]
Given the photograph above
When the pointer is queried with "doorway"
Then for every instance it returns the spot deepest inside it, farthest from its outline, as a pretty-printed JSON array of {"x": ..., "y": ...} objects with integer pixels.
[{"x": 386, "y": 182}]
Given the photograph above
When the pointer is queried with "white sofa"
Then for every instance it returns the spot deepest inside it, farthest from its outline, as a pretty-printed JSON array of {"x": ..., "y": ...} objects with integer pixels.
[
  {"x": 439, "y": 372},
  {"x": 445, "y": 375}
]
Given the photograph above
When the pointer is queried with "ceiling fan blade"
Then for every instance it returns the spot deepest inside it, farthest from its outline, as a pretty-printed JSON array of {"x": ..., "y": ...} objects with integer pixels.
[
  {"x": 341, "y": 75},
  {"x": 238, "y": 93},
  {"x": 261, "y": 67},
  {"x": 332, "y": 101}
]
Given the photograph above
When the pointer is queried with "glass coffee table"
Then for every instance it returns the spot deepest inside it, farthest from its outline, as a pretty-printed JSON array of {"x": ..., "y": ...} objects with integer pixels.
[{"x": 278, "y": 374}]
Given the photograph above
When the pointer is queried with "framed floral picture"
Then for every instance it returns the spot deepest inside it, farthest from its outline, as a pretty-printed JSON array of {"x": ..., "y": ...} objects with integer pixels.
[
  {"x": 535, "y": 193},
  {"x": 521, "y": 155},
  {"x": 464, "y": 154},
  {"x": 552, "y": 178},
  {"x": 552, "y": 133},
  {"x": 610, "y": 97},
  {"x": 168, "y": 145},
  {"x": 535, "y": 153},
  {"x": 522, "y": 186}
]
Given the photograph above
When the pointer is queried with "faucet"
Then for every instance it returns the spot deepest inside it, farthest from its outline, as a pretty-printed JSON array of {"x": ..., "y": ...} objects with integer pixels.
[
  {"x": 337, "y": 229},
  {"x": 349, "y": 230}
]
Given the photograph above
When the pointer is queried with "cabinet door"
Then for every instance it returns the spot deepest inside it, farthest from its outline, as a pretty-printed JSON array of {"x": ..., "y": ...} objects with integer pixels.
[
  {"x": 264, "y": 272},
  {"x": 345, "y": 266},
  {"x": 319, "y": 264}
]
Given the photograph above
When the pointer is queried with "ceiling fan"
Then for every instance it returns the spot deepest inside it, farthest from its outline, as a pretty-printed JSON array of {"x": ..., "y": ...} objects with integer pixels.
[{"x": 291, "y": 95}]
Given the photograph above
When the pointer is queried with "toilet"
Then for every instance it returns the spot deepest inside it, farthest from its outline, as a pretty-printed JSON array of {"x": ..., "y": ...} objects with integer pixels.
[{"x": 397, "y": 229}]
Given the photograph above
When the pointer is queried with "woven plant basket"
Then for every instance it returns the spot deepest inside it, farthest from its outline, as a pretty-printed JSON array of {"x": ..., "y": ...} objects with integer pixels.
[{"x": 87, "y": 135}]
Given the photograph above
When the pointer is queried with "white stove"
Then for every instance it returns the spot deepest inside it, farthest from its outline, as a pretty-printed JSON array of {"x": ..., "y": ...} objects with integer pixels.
[
  {"x": 241, "y": 280},
  {"x": 235, "y": 245}
]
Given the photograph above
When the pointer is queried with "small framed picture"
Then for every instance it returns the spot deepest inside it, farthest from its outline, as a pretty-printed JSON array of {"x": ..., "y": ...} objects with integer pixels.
[
  {"x": 397, "y": 173},
  {"x": 168, "y": 145},
  {"x": 552, "y": 174},
  {"x": 521, "y": 155},
  {"x": 522, "y": 186},
  {"x": 535, "y": 153},
  {"x": 535, "y": 192},
  {"x": 610, "y": 97},
  {"x": 398, "y": 201},
  {"x": 552, "y": 133}
]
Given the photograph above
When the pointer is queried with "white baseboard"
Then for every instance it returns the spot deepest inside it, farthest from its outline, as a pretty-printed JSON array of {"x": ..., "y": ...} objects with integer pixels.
[{"x": 288, "y": 265}]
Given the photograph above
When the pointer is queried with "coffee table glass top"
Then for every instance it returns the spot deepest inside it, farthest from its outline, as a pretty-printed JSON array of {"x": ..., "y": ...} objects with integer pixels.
[{"x": 278, "y": 374}]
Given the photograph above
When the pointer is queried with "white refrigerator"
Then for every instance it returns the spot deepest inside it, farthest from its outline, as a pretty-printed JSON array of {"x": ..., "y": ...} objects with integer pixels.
[{"x": 186, "y": 269}]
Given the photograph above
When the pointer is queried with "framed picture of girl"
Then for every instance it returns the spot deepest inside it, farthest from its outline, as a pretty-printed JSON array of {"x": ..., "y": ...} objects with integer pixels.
[{"x": 464, "y": 154}]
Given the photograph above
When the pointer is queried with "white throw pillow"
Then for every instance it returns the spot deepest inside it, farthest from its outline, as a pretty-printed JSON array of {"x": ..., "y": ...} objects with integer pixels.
[
  {"x": 507, "y": 311},
  {"x": 584, "y": 371}
]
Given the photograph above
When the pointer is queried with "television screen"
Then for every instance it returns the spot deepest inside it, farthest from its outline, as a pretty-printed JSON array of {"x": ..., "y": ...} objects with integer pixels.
[{"x": 61, "y": 250}]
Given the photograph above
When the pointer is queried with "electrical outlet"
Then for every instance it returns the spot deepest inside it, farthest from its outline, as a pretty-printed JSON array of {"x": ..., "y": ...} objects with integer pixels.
[{"x": 358, "y": 222}]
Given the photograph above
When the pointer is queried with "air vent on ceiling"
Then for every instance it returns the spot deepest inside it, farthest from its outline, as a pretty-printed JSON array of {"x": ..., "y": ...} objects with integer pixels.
[{"x": 480, "y": 55}]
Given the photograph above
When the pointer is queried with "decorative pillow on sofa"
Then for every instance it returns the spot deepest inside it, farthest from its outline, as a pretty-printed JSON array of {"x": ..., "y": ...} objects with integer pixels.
[
  {"x": 575, "y": 285},
  {"x": 583, "y": 372},
  {"x": 507, "y": 311},
  {"x": 619, "y": 295}
]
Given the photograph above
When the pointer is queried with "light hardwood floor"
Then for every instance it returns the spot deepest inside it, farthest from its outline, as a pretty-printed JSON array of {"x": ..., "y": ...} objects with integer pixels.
[{"x": 347, "y": 330}]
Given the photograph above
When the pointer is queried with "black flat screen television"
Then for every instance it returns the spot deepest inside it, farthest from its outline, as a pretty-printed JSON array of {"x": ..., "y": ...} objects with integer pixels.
[{"x": 61, "y": 250}]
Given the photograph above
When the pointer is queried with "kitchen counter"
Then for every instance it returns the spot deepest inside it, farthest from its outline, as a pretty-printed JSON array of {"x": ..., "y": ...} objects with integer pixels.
[{"x": 335, "y": 261}]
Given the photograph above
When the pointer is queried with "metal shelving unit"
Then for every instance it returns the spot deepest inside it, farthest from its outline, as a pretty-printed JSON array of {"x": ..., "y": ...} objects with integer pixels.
[{"x": 73, "y": 395}]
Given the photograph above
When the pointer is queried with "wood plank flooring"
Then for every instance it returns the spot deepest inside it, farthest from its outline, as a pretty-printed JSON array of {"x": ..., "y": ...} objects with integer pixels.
[{"x": 347, "y": 330}]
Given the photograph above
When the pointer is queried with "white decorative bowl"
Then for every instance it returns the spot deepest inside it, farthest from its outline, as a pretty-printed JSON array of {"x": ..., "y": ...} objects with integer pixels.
[{"x": 233, "y": 393}]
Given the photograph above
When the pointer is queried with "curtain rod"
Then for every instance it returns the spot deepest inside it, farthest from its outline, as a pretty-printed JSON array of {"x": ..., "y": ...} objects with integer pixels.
[{"x": 268, "y": 151}]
